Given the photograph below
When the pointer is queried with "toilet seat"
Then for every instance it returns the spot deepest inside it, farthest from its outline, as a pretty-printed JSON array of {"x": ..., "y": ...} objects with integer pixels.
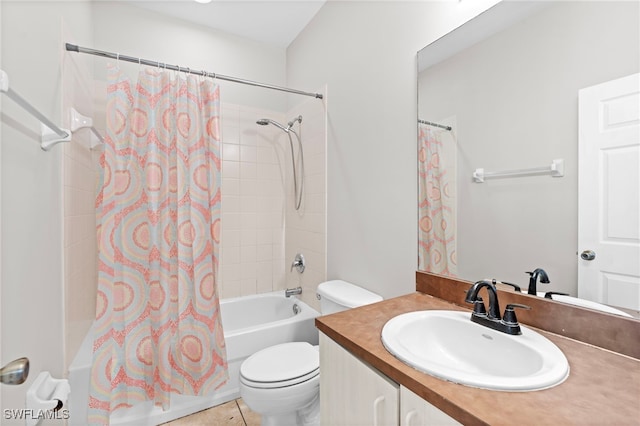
[{"x": 281, "y": 366}]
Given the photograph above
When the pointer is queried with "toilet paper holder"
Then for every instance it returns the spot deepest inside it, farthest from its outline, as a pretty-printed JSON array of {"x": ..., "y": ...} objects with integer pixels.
[{"x": 46, "y": 393}]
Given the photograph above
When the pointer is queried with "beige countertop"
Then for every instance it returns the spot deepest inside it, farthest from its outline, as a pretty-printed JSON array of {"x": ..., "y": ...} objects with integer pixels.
[{"x": 603, "y": 387}]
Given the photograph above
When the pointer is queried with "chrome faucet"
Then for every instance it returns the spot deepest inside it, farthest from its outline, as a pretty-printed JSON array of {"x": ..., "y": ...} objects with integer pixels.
[
  {"x": 508, "y": 324},
  {"x": 533, "y": 280},
  {"x": 291, "y": 291}
]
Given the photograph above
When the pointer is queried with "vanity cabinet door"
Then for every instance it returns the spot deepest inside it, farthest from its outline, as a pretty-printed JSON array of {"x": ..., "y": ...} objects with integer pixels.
[
  {"x": 415, "y": 411},
  {"x": 353, "y": 393}
]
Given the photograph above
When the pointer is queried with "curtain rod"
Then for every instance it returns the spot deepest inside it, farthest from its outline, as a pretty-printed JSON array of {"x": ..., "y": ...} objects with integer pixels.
[
  {"x": 74, "y": 48},
  {"x": 442, "y": 126}
]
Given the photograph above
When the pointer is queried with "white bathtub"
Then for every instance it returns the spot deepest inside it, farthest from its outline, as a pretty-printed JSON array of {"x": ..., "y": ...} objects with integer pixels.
[{"x": 250, "y": 323}]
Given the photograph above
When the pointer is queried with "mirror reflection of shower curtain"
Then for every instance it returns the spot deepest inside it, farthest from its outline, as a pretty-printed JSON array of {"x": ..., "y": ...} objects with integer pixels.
[
  {"x": 158, "y": 328},
  {"x": 436, "y": 206}
]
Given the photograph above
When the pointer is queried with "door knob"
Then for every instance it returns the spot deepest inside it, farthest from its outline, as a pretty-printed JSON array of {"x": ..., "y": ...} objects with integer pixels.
[
  {"x": 16, "y": 372},
  {"x": 588, "y": 255}
]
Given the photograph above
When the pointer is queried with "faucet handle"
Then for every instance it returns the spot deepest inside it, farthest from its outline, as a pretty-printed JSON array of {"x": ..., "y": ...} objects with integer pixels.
[
  {"x": 516, "y": 287},
  {"x": 550, "y": 294},
  {"x": 298, "y": 263},
  {"x": 509, "y": 316},
  {"x": 478, "y": 306}
]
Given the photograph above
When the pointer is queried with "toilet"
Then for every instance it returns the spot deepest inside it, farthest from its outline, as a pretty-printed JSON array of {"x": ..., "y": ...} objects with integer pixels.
[{"x": 282, "y": 382}]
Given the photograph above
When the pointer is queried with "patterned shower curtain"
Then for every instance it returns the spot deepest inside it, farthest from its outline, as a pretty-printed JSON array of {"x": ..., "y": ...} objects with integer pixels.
[
  {"x": 158, "y": 325},
  {"x": 436, "y": 233}
]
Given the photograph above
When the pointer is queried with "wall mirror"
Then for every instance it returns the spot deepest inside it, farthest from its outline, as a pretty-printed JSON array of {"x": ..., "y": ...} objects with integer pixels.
[{"x": 507, "y": 84}]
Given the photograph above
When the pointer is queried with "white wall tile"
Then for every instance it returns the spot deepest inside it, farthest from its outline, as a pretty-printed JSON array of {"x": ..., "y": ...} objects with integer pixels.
[
  {"x": 231, "y": 169},
  {"x": 248, "y": 170},
  {"x": 248, "y": 187},
  {"x": 230, "y": 186},
  {"x": 248, "y": 255},
  {"x": 231, "y": 204},
  {"x": 231, "y": 221},
  {"x": 230, "y": 237},
  {"x": 264, "y": 236},
  {"x": 264, "y": 253},
  {"x": 230, "y": 152},
  {"x": 248, "y": 154},
  {"x": 248, "y": 236},
  {"x": 248, "y": 287}
]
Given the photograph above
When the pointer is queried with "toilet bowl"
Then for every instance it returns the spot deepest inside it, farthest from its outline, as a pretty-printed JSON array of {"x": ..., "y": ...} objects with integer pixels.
[{"x": 282, "y": 382}]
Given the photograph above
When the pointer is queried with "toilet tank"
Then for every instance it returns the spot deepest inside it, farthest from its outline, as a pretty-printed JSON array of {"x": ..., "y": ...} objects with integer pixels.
[{"x": 338, "y": 295}]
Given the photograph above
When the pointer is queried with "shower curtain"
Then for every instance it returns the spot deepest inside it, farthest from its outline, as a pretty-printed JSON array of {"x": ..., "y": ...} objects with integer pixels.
[
  {"x": 436, "y": 233},
  {"x": 158, "y": 325}
]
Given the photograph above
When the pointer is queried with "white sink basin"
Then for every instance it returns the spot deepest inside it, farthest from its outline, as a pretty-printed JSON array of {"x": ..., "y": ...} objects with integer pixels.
[{"x": 446, "y": 344}]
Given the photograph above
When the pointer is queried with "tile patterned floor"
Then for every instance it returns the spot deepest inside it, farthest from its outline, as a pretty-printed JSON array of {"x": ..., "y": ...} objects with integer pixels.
[{"x": 234, "y": 413}]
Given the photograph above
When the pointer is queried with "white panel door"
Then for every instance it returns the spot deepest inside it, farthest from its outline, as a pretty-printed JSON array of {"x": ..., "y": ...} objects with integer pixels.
[{"x": 609, "y": 189}]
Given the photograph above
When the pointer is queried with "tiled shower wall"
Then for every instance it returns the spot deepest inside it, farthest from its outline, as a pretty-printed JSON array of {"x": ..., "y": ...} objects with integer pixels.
[
  {"x": 252, "y": 242},
  {"x": 306, "y": 229}
]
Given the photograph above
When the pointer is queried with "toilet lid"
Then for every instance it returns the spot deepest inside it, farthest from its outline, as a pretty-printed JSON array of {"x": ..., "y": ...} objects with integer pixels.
[{"x": 289, "y": 362}]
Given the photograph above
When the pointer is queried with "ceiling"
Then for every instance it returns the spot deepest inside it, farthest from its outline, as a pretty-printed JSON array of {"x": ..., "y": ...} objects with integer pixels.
[{"x": 276, "y": 23}]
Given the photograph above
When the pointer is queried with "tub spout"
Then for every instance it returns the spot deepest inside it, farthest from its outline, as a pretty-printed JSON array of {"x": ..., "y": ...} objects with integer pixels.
[{"x": 291, "y": 291}]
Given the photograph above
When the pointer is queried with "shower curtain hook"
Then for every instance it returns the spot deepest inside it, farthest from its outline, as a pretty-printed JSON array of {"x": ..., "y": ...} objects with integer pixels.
[{"x": 118, "y": 60}]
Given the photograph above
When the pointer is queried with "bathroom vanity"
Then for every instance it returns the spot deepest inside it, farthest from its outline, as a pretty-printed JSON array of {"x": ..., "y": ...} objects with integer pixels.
[
  {"x": 366, "y": 396},
  {"x": 362, "y": 383}
]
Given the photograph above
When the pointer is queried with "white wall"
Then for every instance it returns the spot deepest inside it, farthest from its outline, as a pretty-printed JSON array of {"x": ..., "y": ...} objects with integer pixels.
[
  {"x": 519, "y": 109},
  {"x": 132, "y": 31},
  {"x": 366, "y": 54},
  {"x": 32, "y": 272}
]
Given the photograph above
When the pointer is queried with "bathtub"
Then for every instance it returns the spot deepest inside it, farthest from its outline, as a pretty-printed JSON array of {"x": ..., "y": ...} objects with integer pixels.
[{"x": 250, "y": 323}]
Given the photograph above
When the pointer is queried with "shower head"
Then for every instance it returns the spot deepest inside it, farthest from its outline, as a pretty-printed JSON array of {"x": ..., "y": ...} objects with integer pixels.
[
  {"x": 16, "y": 372},
  {"x": 289, "y": 130},
  {"x": 266, "y": 121}
]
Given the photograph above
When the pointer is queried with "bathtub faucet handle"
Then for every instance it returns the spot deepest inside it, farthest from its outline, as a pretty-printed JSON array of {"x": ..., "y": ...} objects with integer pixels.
[
  {"x": 298, "y": 263},
  {"x": 291, "y": 291}
]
